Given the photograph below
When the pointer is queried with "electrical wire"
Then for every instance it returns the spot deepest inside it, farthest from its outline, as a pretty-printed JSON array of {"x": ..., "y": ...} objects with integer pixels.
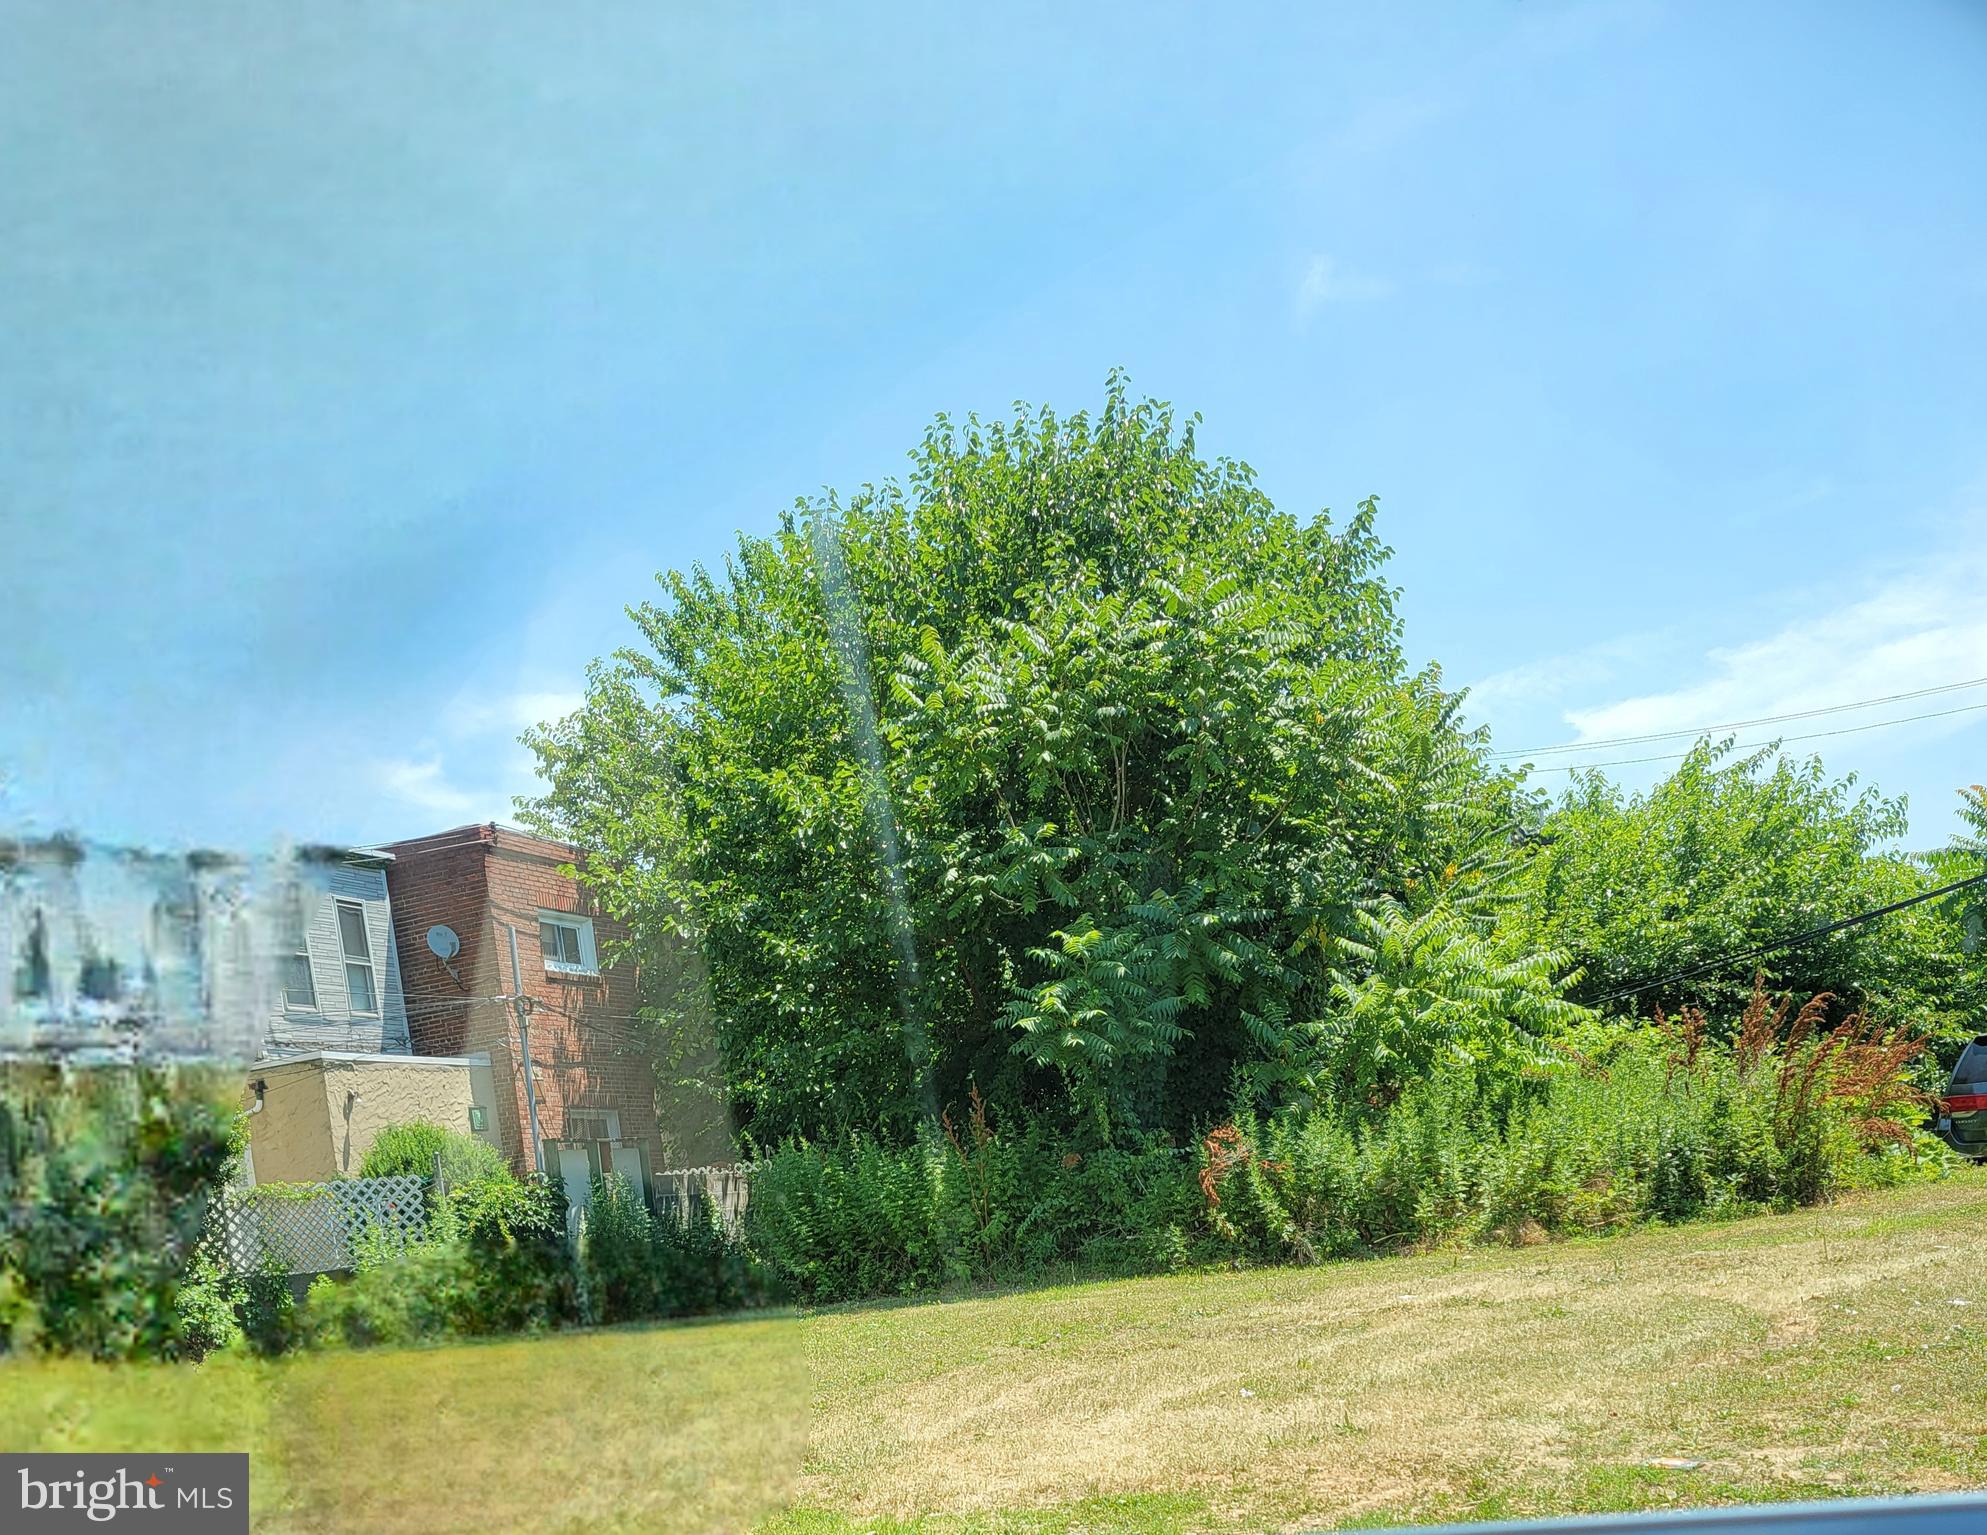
[
  {"x": 1790, "y": 941},
  {"x": 1765, "y": 719},
  {"x": 1813, "y": 735}
]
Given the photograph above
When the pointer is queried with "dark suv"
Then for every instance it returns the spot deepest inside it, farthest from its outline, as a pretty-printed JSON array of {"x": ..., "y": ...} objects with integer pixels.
[{"x": 1963, "y": 1114}]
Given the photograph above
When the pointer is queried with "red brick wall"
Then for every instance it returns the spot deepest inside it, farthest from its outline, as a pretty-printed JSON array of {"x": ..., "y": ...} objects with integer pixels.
[{"x": 587, "y": 1053}]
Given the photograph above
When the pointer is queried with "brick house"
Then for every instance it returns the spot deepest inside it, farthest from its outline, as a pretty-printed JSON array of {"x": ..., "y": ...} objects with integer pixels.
[{"x": 590, "y": 1070}]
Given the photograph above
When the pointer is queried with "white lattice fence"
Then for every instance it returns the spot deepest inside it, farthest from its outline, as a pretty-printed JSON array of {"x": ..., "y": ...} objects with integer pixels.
[{"x": 309, "y": 1228}]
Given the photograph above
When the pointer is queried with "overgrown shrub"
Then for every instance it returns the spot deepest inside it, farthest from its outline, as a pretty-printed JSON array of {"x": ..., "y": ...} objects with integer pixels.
[
  {"x": 519, "y": 1272},
  {"x": 270, "y": 1322},
  {"x": 399, "y": 1293},
  {"x": 493, "y": 1260},
  {"x": 208, "y": 1301},
  {"x": 105, "y": 1180},
  {"x": 702, "y": 1267},
  {"x": 1673, "y": 1124},
  {"x": 854, "y": 1218},
  {"x": 617, "y": 1253},
  {"x": 638, "y": 1265},
  {"x": 851, "y": 1219},
  {"x": 412, "y": 1148},
  {"x": 1031, "y": 1203},
  {"x": 1661, "y": 1124}
]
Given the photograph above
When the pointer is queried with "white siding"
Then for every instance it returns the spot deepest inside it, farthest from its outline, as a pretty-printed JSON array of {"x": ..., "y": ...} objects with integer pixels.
[
  {"x": 332, "y": 1025},
  {"x": 195, "y": 943}
]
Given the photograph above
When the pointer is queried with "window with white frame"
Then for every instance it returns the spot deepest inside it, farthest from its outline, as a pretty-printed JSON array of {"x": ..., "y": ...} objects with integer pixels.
[
  {"x": 593, "y": 1125},
  {"x": 293, "y": 952},
  {"x": 359, "y": 984},
  {"x": 567, "y": 942}
]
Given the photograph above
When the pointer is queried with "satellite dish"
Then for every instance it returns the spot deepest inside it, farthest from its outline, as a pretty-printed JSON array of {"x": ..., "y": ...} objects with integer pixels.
[{"x": 443, "y": 943}]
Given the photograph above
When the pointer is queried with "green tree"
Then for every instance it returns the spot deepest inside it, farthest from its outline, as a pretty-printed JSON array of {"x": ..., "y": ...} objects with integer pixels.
[
  {"x": 106, "y": 1180},
  {"x": 1062, "y": 769},
  {"x": 1966, "y": 858},
  {"x": 1727, "y": 853}
]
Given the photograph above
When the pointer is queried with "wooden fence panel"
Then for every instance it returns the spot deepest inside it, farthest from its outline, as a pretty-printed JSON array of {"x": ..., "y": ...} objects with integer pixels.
[{"x": 686, "y": 1193}]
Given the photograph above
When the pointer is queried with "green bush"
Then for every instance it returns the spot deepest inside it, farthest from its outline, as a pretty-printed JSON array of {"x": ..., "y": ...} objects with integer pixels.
[
  {"x": 853, "y": 1219},
  {"x": 638, "y": 1265},
  {"x": 617, "y": 1253},
  {"x": 398, "y": 1293},
  {"x": 701, "y": 1267},
  {"x": 494, "y": 1260},
  {"x": 412, "y": 1148},
  {"x": 270, "y": 1322},
  {"x": 208, "y": 1302},
  {"x": 105, "y": 1180},
  {"x": 1773, "y": 1113},
  {"x": 519, "y": 1273},
  {"x": 856, "y": 1218}
]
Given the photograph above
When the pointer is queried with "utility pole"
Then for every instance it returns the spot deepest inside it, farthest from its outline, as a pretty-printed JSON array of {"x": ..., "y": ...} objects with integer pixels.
[{"x": 524, "y": 1049}]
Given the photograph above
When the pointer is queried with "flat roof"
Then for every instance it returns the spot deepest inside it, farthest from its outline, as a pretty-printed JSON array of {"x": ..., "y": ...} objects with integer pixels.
[
  {"x": 69, "y": 848},
  {"x": 489, "y": 834},
  {"x": 351, "y": 1057}
]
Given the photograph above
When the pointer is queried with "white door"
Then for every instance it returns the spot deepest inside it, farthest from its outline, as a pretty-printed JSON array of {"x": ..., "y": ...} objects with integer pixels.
[
  {"x": 576, "y": 1172},
  {"x": 628, "y": 1163}
]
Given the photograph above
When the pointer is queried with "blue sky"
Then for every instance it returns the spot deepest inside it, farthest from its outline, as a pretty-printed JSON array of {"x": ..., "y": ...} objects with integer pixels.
[{"x": 362, "y": 362}]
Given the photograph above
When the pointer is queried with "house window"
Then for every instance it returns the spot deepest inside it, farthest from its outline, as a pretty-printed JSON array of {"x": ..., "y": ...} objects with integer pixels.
[
  {"x": 31, "y": 975},
  {"x": 299, "y": 986},
  {"x": 567, "y": 943},
  {"x": 358, "y": 958},
  {"x": 101, "y": 978}
]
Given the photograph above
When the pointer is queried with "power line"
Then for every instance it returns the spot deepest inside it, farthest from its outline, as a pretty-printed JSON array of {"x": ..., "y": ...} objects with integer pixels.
[
  {"x": 1792, "y": 940},
  {"x": 1813, "y": 735},
  {"x": 1765, "y": 719}
]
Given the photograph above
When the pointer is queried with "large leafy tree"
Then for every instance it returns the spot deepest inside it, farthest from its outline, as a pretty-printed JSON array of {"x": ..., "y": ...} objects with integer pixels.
[{"x": 1065, "y": 767}]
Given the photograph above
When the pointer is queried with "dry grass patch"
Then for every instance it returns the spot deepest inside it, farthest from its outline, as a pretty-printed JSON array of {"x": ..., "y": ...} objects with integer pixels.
[{"x": 1535, "y": 1380}]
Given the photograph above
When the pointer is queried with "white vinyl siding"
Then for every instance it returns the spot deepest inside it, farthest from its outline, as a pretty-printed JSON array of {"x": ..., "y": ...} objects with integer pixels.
[
  {"x": 355, "y": 970},
  {"x": 227, "y": 958}
]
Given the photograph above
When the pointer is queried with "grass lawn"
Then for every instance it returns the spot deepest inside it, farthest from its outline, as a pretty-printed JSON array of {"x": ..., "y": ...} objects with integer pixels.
[{"x": 1823, "y": 1353}]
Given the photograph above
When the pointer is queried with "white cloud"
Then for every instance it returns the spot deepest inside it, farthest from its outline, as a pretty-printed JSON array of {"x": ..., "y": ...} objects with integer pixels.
[
  {"x": 1325, "y": 283},
  {"x": 1920, "y": 628},
  {"x": 471, "y": 765},
  {"x": 1554, "y": 676},
  {"x": 1909, "y": 628},
  {"x": 424, "y": 785}
]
